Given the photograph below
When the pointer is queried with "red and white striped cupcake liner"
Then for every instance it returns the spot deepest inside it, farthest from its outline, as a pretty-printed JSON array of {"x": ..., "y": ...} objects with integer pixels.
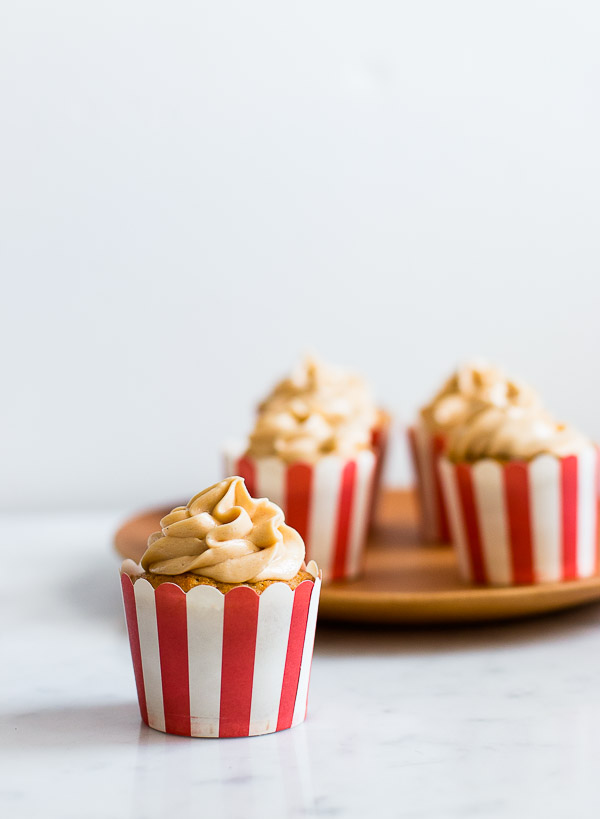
[
  {"x": 209, "y": 664},
  {"x": 426, "y": 450},
  {"x": 327, "y": 502},
  {"x": 524, "y": 522}
]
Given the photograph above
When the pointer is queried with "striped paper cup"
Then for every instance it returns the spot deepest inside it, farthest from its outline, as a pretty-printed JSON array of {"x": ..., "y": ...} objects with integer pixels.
[
  {"x": 209, "y": 664},
  {"x": 426, "y": 450},
  {"x": 524, "y": 521},
  {"x": 379, "y": 443},
  {"x": 327, "y": 502}
]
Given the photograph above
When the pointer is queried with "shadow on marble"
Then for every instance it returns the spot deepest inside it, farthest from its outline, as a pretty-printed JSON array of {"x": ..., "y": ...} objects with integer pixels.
[
  {"x": 80, "y": 726},
  {"x": 71, "y": 727},
  {"x": 347, "y": 639}
]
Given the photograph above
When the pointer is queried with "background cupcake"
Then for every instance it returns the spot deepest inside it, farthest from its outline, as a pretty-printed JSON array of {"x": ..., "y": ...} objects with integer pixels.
[
  {"x": 521, "y": 495},
  {"x": 471, "y": 388},
  {"x": 312, "y": 451},
  {"x": 221, "y": 618}
]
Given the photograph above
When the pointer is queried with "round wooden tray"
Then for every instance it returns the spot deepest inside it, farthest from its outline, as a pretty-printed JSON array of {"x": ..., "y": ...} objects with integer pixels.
[{"x": 406, "y": 581}]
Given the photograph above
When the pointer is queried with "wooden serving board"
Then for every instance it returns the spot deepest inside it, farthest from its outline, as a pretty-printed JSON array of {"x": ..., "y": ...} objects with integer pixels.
[{"x": 405, "y": 580}]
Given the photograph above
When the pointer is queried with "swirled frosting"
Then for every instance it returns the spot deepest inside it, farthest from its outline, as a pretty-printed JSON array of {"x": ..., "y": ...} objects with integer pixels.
[
  {"x": 226, "y": 535},
  {"x": 513, "y": 433},
  {"x": 470, "y": 389},
  {"x": 318, "y": 410}
]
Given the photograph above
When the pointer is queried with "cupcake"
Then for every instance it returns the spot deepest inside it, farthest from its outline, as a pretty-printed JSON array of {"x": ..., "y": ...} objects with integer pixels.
[
  {"x": 221, "y": 617},
  {"x": 471, "y": 388},
  {"x": 312, "y": 451},
  {"x": 521, "y": 495}
]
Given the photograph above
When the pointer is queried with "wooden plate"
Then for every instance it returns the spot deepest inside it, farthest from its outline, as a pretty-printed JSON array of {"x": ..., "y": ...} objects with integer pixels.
[{"x": 406, "y": 581}]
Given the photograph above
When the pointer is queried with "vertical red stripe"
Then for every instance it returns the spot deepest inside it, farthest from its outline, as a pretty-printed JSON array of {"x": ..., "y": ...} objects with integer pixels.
[
  {"x": 414, "y": 451},
  {"x": 518, "y": 507},
  {"x": 376, "y": 438},
  {"x": 134, "y": 642},
  {"x": 342, "y": 535},
  {"x": 412, "y": 443},
  {"x": 469, "y": 509},
  {"x": 240, "y": 622},
  {"x": 569, "y": 481},
  {"x": 171, "y": 618},
  {"x": 597, "y": 518},
  {"x": 298, "y": 491},
  {"x": 442, "y": 527},
  {"x": 293, "y": 659},
  {"x": 379, "y": 439},
  {"x": 247, "y": 470}
]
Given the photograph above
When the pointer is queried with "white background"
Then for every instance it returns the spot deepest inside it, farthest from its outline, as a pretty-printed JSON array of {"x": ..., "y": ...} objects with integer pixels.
[{"x": 195, "y": 193}]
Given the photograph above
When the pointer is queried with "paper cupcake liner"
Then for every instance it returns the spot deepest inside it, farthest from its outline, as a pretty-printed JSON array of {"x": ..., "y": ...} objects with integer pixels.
[
  {"x": 426, "y": 450},
  {"x": 379, "y": 443},
  {"x": 327, "y": 502},
  {"x": 524, "y": 522},
  {"x": 209, "y": 664}
]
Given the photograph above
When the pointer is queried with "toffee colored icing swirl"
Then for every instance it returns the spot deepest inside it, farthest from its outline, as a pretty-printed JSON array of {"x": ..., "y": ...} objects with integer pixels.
[
  {"x": 226, "y": 535},
  {"x": 469, "y": 390},
  {"x": 318, "y": 410},
  {"x": 513, "y": 433}
]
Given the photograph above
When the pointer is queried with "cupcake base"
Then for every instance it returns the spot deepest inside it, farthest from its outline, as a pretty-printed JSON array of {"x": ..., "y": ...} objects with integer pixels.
[
  {"x": 214, "y": 664},
  {"x": 524, "y": 522}
]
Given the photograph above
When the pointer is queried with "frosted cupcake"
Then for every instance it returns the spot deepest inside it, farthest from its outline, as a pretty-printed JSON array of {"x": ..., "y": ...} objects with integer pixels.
[
  {"x": 521, "y": 494},
  {"x": 312, "y": 451},
  {"x": 471, "y": 388},
  {"x": 221, "y": 617}
]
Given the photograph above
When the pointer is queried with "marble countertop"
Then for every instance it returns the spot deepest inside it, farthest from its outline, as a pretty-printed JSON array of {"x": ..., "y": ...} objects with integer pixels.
[{"x": 499, "y": 721}]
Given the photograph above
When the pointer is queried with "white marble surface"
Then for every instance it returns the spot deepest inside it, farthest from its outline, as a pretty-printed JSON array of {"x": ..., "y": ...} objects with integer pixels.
[{"x": 434, "y": 724}]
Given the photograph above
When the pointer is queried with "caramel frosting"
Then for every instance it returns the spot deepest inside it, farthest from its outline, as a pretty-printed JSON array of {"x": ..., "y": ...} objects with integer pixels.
[
  {"x": 469, "y": 390},
  {"x": 317, "y": 411},
  {"x": 513, "y": 433},
  {"x": 227, "y": 536}
]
